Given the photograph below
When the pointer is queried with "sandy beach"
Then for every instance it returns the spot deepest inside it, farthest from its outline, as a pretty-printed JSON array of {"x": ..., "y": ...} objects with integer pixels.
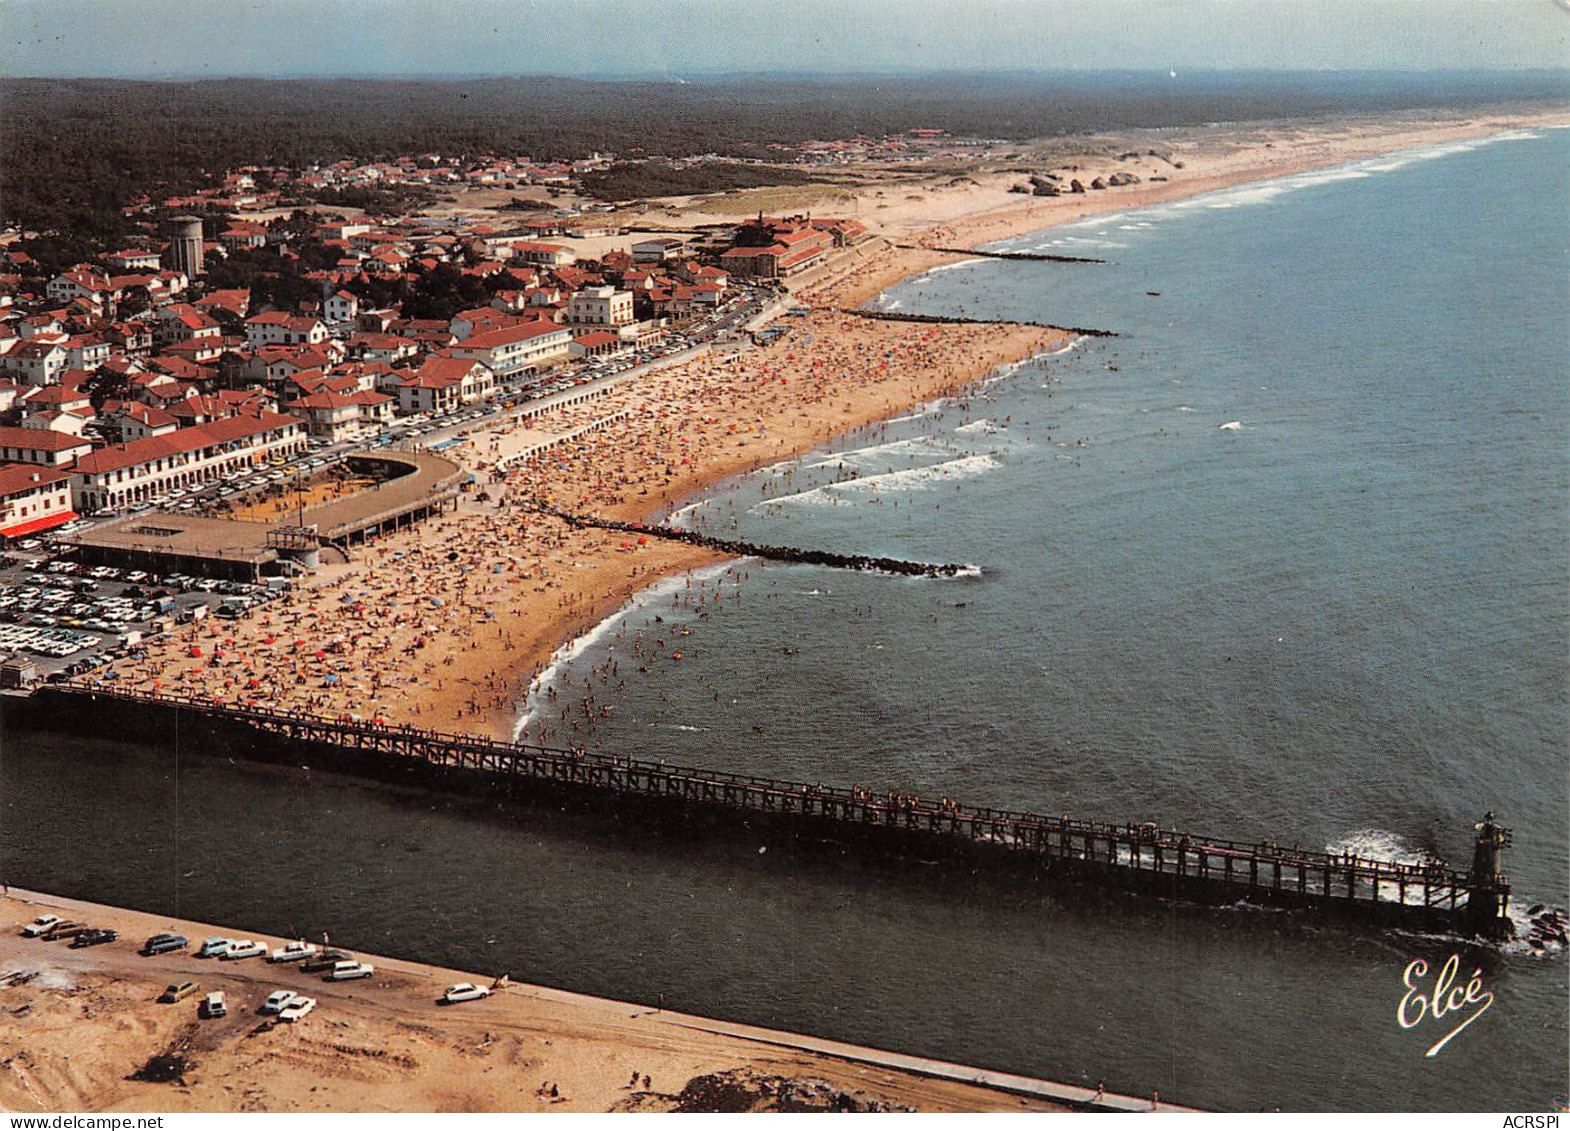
[
  {"x": 82, "y": 1022},
  {"x": 447, "y": 625}
]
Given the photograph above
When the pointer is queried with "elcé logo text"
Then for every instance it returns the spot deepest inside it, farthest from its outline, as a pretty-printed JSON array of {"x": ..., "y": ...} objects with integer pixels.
[{"x": 1444, "y": 998}]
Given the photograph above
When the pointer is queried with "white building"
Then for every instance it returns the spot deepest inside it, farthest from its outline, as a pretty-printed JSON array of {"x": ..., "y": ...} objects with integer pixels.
[
  {"x": 545, "y": 254},
  {"x": 38, "y": 361},
  {"x": 276, "y": 328},
  {"x": 529, "y": 348},
  {"x": 657, "y": 250},
  {"x": 444, "y": 383},
  {"x": 342, "y": 416},
  {"x": 42, "y": 446},
  {"x": 33, "y": 499},
  {"x": 600, "y": 306},
  {"x": 125, "y": 474},
  {"x": 341, "y": 307}
]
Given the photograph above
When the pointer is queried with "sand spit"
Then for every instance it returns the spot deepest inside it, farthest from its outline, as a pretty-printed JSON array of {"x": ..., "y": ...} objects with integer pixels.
[{"x": 80, "y": 1023}]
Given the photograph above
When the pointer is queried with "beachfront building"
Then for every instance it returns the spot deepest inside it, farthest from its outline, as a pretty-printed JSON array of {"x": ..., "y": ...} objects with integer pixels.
[
  {"x": 600, "y": 306},
  {"x": 596, "y": 343},
  {"x": 779, "y": 248},
  {"x": 790, "y": 253},
  {"x": 135, "y": 472},
  {"x": 531, "y": 347},
  {"x": 443, "y": 384},
  {"x": 32, "y": 500},
  {"x": 336, "y": 416}
]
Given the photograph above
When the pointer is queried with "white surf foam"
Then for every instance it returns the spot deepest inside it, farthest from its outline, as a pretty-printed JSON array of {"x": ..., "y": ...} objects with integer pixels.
[
  {"x": 980, "y": 426},
  {"x": 1379, "y": 844},
  {"x": 676, "y": 517},
  {"x": 924, "y": 409},
  {"x": 847, "y": 491},
  {"x": 862, "y": 457},
  {"x": 569, "y": 652},
  {"x": 951, "y": 267}
]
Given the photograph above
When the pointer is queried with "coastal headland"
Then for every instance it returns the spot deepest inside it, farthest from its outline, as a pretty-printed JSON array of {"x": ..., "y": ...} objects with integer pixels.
[{"x": 448, "y": 624}]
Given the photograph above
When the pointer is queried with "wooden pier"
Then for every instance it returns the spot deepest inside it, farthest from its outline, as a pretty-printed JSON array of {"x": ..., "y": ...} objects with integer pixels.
[{"x": 1141, "y": 857}]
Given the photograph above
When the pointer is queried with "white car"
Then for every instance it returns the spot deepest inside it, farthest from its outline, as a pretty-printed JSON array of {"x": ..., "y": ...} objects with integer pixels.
[
  {"x": 345, "y": 971},
  {"x": 39, "y": 925},
  {"x": 293, "y": 952},
  {"x": 297, "y": 1009},
  {"x": 245, "y": 948},
  {"x": 278, "y": 1000},
  {"x": 465, "y": 991}
]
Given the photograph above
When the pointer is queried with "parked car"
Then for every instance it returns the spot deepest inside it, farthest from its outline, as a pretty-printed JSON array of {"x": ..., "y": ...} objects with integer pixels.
[
  {"x": 164, "y": 943},
  {"x": 245, "y": 948},
  {"x": 178, "y": 991},
  {"x": 465, "y": 991},
  {"x": 213, "y": 1005},
  {"x": 214, "y": 947},
  {"x": 325, "y": 961},
  {"x": 293, "y": 952},
  {"x": 277, "y": 1000},
  {"x": 347, "y": 971},
  {"x": 66, "y": 930},
  {"x": 297, "y": 1009},
  {"x": 94, "y": 937},
  {"x": 39, "y": 925}
]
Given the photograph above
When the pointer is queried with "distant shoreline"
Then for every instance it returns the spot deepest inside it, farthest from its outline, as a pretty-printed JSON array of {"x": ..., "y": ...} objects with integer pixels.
[
  {"x": 687, "y": 429},
  {"x": 864, "y": 282}
]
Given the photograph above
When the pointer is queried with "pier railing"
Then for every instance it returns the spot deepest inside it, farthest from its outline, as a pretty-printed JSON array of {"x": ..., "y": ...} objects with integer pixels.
[{"x": 1430, "y": 893}]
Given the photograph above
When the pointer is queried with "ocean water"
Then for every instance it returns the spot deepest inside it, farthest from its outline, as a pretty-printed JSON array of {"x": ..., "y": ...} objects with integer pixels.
[{"x": 1286, "y": 558}]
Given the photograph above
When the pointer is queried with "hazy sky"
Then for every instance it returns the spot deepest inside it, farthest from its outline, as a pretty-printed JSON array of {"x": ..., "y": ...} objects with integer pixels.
[{"x": 676, "y": 37}]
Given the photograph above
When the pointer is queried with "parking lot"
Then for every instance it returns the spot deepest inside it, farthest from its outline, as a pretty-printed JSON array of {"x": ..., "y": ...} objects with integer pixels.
[{"x": 69, "y": 618}]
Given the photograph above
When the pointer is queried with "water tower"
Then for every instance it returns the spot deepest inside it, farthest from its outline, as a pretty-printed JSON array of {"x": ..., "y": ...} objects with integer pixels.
[{"x": 185, "y": 245}]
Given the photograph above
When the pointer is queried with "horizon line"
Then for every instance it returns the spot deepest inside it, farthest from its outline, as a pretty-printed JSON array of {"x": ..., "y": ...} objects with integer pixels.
[{"x": 680, "y": 77}]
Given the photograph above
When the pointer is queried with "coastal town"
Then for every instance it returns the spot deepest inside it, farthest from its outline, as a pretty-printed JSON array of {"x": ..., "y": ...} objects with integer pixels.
[
  {"x": 224, "y": 414},
  {"x": 368, "y": 443},
  {"x": 194, "y": 424}
]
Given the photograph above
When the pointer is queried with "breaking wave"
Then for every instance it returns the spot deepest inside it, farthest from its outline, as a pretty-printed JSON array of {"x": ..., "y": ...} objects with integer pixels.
[{"x": 912, "y": 479}]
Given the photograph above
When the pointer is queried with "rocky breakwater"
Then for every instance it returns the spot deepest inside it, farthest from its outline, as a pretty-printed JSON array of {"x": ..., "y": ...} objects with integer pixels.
[{"x": 740, "y": 549}]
